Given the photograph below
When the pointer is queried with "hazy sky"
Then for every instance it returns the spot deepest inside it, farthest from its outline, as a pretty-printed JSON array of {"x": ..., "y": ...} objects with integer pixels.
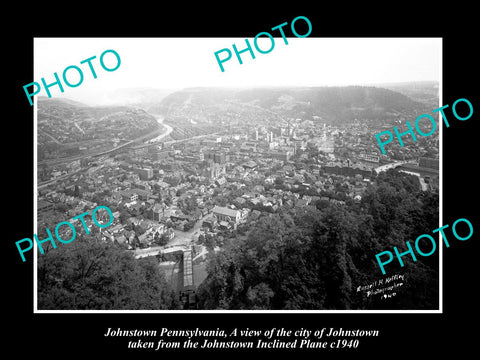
[{"x": 176, "y": 63}]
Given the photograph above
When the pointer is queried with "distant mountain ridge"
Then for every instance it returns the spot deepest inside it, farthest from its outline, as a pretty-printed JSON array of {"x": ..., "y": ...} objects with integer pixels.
[
  {"x": 339, "y": 104},
  {"x": 43, "y": 100}
]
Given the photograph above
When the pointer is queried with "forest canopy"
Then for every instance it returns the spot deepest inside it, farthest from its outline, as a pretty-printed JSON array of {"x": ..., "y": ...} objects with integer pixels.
[
  {"x": 316, "y": 258},
  {"x": 89, "y": 274}
]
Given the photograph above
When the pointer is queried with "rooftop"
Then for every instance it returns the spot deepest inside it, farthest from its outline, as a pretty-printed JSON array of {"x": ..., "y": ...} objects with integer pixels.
[{"x": 224, "y": 211}]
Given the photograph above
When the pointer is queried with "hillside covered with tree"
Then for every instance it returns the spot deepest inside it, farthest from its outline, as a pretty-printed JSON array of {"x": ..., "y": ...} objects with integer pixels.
[
  {"x": 330, "y": 104},
  {"x": 316, "y": 258},
  {"x": 89, "y": 274}
]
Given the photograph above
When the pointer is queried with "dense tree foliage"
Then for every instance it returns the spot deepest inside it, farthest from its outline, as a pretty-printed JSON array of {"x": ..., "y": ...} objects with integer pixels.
[
  {"x": 315, "y": 258},
  {"x": 90, "y": 274}
]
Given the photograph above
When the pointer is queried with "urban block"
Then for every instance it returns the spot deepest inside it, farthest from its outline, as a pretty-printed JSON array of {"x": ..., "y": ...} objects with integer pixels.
[
  {"x": 410, "y": 251},
  {"x": 417, "y": 121},
  {"x": 57, "y": 234},
  {"x": 69, "y": 77},
  {"x": 248, "y": 48}
]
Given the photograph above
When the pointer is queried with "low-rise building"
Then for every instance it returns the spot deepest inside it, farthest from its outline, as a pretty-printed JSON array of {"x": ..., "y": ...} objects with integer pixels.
[{"x": 226, "y": 214}]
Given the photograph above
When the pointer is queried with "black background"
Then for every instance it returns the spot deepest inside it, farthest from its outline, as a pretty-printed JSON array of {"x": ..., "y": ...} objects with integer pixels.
[{"x": 63, "y": 335}]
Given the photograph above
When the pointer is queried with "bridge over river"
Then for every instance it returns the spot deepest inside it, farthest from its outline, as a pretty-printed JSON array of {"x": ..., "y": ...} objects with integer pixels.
[{"x": 395, "y": 164}]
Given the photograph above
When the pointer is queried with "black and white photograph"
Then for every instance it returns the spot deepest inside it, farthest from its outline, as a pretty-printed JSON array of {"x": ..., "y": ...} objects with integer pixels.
[
  {"x": 236, "y": 190},
  {"x": 276, "y": 180}
]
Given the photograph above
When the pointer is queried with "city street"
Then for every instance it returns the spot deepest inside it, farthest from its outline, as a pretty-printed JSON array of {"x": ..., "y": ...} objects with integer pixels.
[{"x": 185, "y": 237}]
